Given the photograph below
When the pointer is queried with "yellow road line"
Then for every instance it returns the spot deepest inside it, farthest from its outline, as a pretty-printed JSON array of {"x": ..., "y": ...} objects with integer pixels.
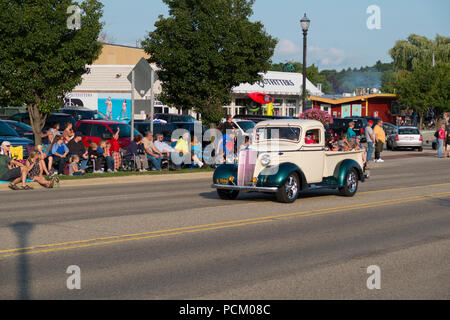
[{"x": 209, "y": 227}]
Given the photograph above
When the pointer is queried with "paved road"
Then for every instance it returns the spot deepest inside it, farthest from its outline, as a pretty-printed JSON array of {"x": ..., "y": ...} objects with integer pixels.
[{"x": 177, "y": 240}]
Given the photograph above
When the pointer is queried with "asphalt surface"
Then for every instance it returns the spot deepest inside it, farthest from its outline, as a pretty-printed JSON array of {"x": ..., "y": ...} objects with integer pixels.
[{"x": 178, "y": 240}]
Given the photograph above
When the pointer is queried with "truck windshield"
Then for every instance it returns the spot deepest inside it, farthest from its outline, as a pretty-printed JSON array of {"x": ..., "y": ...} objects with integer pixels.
[{"x": 278, "y": 133}]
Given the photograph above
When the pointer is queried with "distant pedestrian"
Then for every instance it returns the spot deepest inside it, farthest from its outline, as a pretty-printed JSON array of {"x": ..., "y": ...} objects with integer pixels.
[
  {"x": 351, "y": 134},
  {"x": 370, "y": 137},
  {"x": 380, "y": 140},
  {"x": 440, "y": 139}
]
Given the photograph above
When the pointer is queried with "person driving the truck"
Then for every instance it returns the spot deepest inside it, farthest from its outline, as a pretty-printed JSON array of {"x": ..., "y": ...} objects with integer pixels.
[{"x": 310, "y": 138}]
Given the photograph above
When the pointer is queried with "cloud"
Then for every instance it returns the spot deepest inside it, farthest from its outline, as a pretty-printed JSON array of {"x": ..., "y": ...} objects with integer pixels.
[
  {"x": 328, "y": 57},
  {"x": 286, "y": 48},
  {"x": 324, "y": 58}
]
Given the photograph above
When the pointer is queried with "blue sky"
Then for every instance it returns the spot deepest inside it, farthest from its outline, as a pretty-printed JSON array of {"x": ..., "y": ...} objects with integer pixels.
[{"x": 338, "y": 37}]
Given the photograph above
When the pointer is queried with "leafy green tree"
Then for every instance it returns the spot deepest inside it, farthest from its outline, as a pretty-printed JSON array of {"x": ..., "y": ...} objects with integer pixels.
[
  {"x": 421, "y": 81},
  {"x": 205, "y": 48},
  {"x": 44, "y": 52}
]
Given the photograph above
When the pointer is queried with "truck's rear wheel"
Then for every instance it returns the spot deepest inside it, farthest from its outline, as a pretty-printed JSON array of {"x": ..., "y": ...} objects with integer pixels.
[
  {"x": 227, "y": 194},
  {"x": 351, "y": 184},
  {"x": 288, "y": 193}
]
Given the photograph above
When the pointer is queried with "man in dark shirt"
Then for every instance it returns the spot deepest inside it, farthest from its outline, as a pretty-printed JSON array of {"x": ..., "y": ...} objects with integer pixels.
[
  {"x": 76, "y": 147},
  {"x": 228, "y": 125}
]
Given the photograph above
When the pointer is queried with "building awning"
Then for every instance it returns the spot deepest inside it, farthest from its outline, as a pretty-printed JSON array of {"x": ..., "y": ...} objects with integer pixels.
[{"x": 352, "y": 99}]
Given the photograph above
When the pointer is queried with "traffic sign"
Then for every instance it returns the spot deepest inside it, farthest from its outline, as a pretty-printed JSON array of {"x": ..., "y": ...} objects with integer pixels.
[{"x": 142, "y": 76}]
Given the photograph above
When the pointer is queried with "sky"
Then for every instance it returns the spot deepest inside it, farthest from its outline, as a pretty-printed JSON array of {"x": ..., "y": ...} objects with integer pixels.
[{"x": 338, "y": 37}]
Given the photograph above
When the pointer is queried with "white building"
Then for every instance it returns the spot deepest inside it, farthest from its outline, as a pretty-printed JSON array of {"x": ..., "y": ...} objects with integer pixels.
[{"x": 284, "y": 87}]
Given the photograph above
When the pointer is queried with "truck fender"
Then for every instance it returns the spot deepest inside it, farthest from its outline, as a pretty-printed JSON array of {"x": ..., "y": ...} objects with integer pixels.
[
  {"x": 225, "y": 171},
  {"x": 280, "y": 178},
  {"x": 343, "y": 167}
]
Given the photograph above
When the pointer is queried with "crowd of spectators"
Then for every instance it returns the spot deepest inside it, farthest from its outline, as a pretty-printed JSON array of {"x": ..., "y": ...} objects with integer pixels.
[{"x": 64, "y": 153}]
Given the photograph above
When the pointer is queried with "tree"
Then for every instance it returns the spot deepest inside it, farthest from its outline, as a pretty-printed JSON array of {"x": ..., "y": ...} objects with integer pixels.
[
  {"x": 204, "y": 49},
  {"x": 419, "y": 80},
  {"x": 44, "y": 52}
]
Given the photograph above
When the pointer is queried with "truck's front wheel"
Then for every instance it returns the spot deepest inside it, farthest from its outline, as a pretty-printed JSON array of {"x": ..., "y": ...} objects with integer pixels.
[
  {"x": 227, "y": 194},
  {"x": 351, "y": 184},
  {"x": 288, "y": 193}
]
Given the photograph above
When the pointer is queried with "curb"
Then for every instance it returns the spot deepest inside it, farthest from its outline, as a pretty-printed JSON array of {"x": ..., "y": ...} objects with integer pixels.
[{"x": 122, "y": 180}]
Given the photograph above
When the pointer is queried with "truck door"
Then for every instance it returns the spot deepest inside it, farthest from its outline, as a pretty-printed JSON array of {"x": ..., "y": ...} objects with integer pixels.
[{"x": 312, "y": 155}]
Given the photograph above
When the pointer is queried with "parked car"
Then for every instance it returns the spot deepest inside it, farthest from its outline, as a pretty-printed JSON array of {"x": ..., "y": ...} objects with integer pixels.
[
  {"x": 81, "y": 113},
  {"x": 389, "y": 128},
  {"x": 171, "y": 117},
  {"x": 340, "y": 126},
  {"x": 258, "y": 118},
  {"x": 405, "y": 137},
  {"x": 96, "y": 130},
  {"x": 295, "y": 166},
  {"x": 8, "y": 134},
  {"x": 61, "y": 118},
  {"x": 22, "y": 129},
  {"x": 245, "y": 127}
]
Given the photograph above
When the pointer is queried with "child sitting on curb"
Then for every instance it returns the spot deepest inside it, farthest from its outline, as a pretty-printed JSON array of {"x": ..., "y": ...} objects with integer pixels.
[{"x": 74, "y": 169}]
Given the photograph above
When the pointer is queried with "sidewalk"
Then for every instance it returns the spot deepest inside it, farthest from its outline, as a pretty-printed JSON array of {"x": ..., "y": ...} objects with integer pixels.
[{"x": 122, "y": 180}]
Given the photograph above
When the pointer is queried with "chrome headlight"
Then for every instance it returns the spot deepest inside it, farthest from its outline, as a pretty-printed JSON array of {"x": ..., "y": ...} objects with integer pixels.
[{"x": 265, "y": 160}]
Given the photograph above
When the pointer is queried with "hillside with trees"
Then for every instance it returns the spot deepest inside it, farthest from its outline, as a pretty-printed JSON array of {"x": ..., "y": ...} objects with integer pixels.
[{"x": 337, "y": 82}]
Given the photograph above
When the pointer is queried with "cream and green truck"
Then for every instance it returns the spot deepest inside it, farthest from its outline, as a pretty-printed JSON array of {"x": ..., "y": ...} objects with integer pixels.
[{"x": 286, "y": 157}]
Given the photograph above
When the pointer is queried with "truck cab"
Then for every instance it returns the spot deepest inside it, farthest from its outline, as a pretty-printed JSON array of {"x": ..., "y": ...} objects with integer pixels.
[{"x": 286, "y": 157}]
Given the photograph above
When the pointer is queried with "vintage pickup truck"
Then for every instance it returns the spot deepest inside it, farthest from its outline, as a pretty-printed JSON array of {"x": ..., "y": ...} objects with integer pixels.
[{"x": 286, "y": 157}]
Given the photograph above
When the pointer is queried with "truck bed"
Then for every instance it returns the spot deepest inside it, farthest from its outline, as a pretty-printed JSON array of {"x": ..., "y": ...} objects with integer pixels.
[{"x": 332, "y": 158}]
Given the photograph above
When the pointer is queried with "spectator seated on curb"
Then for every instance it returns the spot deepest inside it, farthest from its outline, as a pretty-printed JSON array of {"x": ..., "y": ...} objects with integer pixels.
[
  {"x": 42, "y": 156},
  {"x": 35, "y": 169},
  {"x": 153, "y": 154},
  {"x": 136, "y": 154},
  {"x": 14, "y": 172},
  {"x": 95, "y": 156},
  {"x": 108, "y": 158},
  {"x": 165, "y": 150},
  {"x": 74, "y": 166},
  {"x": 77, "y": 148},
  {"x": 196, "y": 152},
  {"x": 58, "y": 154}
]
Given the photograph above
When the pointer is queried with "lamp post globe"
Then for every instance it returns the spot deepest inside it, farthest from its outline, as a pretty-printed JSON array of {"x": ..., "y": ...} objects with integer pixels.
[{"x": 305, "y": 22}]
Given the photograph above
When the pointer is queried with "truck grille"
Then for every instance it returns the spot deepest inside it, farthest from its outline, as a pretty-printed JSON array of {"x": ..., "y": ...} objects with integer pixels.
[{"x": 246, "y": 167}]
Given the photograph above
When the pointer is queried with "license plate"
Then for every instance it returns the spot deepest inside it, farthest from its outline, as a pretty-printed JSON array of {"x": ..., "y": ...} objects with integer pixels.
[{"x": 222, "y": 181}]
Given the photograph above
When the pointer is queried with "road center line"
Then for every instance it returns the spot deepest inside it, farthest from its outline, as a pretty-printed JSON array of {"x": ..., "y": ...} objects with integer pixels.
[{"x": 206, "y": 227}]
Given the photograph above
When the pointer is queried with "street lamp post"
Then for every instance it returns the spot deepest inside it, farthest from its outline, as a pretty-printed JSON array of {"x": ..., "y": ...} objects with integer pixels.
[{"x": 305, "y": 22}]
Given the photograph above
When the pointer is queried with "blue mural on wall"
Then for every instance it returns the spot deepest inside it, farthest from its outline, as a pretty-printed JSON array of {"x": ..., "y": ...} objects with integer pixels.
[{"x": 115, "y": 106}]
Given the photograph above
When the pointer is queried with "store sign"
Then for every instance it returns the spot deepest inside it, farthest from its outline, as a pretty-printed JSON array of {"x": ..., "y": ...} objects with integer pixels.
[{"x": 276, "y": 82}]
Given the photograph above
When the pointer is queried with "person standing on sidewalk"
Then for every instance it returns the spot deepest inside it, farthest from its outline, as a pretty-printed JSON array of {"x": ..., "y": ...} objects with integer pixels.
[
  {"x": 380, "y": 140},
  {"x": 370, "y": 137},
  {"x": 440, "y": 139}
]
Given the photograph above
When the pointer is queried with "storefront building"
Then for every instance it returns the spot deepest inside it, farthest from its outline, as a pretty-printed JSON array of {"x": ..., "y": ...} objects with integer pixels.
[
  {"x": 372, "y": 105},
  {"x": 284, "y": 87}
]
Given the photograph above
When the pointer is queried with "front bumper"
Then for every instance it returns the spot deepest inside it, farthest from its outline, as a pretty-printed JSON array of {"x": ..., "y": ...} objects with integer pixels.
[{"x": 244, "y": 188}]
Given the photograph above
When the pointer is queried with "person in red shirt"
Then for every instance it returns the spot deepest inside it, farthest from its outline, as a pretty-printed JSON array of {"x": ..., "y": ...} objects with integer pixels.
[
  {"x": 115, "y": 150},
  {"x": 440, "y": 139}
]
